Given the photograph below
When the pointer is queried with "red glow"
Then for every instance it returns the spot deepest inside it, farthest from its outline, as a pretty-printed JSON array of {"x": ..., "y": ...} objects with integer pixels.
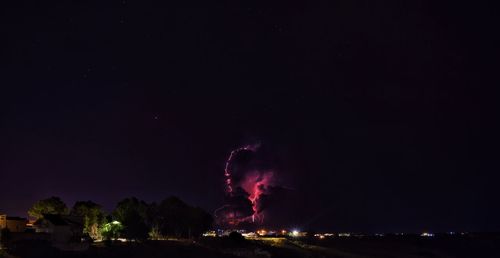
[
  {"x": 227, "y": 171},
  {"x": 255, "y": 183}
]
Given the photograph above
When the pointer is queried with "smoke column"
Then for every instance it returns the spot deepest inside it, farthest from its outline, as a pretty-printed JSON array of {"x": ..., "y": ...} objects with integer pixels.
[
  {"x": 244, "y": 190},
  {"x": 227, "y": 171}
]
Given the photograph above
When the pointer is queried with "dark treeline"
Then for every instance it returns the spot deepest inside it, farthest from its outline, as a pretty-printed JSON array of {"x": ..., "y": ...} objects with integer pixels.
[{"x": 132, "y": 218}]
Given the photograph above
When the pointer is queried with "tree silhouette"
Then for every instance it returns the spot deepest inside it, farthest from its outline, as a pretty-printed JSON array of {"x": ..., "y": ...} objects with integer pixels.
[
  {"x": 176, "y": 218},
  {"x": 93, "y": 217},
  {"x": 52, "y": 205},
  {"x": 131, "y": 213}
]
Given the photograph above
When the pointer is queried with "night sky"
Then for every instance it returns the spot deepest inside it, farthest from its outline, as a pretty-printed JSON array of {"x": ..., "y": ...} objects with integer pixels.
[{"x": 376, "y": 115}]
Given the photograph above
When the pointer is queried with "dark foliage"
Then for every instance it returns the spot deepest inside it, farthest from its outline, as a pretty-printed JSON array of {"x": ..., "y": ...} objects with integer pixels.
[
  {"x": 175, "y": 218},
  {"x": 33, "y": 248},
  {"x": 5, "y": 235},
  {"x": 172, "y": 217},
  {"x": 236, "y": 237},
  {"x": 92, "y": 215},
  {"x": 132, "y": 214},
  {"x": 52, "y": 205}
]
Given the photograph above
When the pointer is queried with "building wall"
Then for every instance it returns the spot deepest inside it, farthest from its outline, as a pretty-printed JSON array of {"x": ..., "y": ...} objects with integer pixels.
[
  {"x": 16, "y": 225},
  {"x": 12, "y": 225},
  {"x": 44, "y": 227},
  {"x": 3, "y": 221},
  {"x": 61, "y": 234},
  {"x": 57, "y": 234}
]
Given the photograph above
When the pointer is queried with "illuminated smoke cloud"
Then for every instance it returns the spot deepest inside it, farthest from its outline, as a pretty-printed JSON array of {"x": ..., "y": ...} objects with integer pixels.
[{"x": 246, "y": 181}]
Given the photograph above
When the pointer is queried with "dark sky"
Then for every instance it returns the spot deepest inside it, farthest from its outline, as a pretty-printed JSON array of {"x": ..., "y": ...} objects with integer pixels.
[{"x": 377, "y": 116}]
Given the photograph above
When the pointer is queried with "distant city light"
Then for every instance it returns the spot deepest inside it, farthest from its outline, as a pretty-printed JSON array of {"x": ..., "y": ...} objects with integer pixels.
[
  {"x": 295, "y": 233},
  {"x": 262, "y": 232},
  {"x": 427, "y": 234},
  {"x": 249, "y": 235},
  {"x": 211, "y": 233}
]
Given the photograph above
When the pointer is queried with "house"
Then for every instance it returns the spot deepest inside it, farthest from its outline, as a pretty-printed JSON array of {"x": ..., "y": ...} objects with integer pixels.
[
  {"x": 62, "y": 229},
  {"x": 62, "y": 232},
  {"x": 13, "y": 224}
]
